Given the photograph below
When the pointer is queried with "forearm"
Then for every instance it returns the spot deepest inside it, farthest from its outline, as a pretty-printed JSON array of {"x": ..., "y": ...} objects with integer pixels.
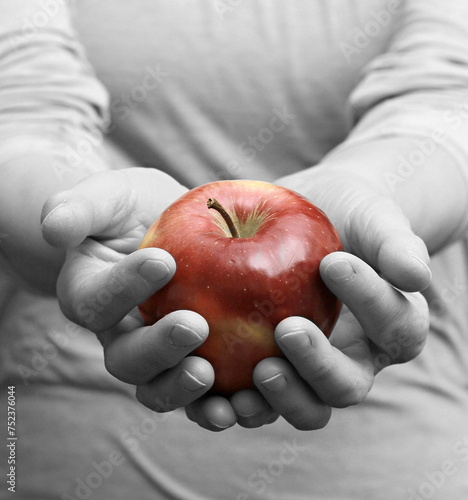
[
  {"x": 409, "y": 140},
  {"x": 52, "y": 113},
  {"x": 47, "y": 86},
  {"x": 427, "y": 183},
  {"x": 27, "y": 181}
]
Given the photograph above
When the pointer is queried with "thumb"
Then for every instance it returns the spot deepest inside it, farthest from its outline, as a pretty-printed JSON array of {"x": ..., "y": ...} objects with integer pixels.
[
  {"x": 88, "y": 208},
  {"x": 371, "y": 225},
  {"x": 107, "y": 204},
  {"x": 378, "y": 231}
]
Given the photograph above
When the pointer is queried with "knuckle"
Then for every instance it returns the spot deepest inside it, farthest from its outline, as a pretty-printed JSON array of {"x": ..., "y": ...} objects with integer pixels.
[
  {"x": 157, "y": 352},
  {"x": 371, "y": 297},
  {"x": 156, "y": 361},
  {"x": 164, "y": 405},
  {"x": 121, "y": 281},
  {"x": 352, "y": 394},
  {"x": 406, "y": 331},
  {"x": 84, "y": 308},
  {"x": 409, "y": 336},
  {"x": 322, "y": 368},
  {"x": 128, "y": 371},
  {"x": 79, "y": 312}
]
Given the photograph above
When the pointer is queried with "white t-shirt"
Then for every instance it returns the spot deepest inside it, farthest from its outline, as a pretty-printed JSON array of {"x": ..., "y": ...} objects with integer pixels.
[{"x": 208, "y": 90}]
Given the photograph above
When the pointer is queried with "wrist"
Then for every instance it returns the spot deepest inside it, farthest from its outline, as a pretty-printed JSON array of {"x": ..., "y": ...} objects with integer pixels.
[
  {"x": 29, "y": 176},
  {"x": 428, "y": 186}
]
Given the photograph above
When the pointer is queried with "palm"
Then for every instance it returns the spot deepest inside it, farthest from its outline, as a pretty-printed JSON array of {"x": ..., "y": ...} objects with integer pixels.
[
  {"x": 350, "y": 338},
  {"x": 105, "y": 277}
]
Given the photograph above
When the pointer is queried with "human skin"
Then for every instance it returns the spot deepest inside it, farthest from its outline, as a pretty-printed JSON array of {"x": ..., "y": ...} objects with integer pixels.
[
  {"x": 386, "y": 233},
  {"x": 399, "y": 227}
]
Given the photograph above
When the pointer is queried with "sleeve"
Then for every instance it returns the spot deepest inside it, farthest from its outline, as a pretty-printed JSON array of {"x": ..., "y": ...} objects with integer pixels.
[
  {"x": 419, "y": 87},
  {"x": 50, "y": 99}
]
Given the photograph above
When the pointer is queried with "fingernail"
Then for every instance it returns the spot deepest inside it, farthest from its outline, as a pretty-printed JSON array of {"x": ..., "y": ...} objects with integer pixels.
[
  {"x": 153, "y": 270},
  {"x": 247, "y": 415},
  {"x": 421, "y": 264},
  {"x": 219, "y": 426},
  {"x": 63, "y": 226},
  {"x": 340, "y": 270},
  {"x": 62, "y": 216},
  {"x": 181, "y": 336},
  {"x": 44, "y": 218},
  {"x": 190, "y": 382},
  {"x": 296, "y": 341},
  {"x": 276, "y": 383}
]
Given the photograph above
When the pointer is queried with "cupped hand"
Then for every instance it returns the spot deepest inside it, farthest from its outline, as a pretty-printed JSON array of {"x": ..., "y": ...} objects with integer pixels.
[
  {"x": 101, "y": 222},
  {"x": 384, "y": 321},
  {"x": 378, "y": 327}
]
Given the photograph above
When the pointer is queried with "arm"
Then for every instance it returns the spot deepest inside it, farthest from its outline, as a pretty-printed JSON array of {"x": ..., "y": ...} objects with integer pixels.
[
  {"x": 408, "y": 148},
  {"x": 52, "y": 112},
  {"x": 396, "y": 190},
  {"x": 411, "y": 114},
  {"x": 427, "y": 200},
  {"x": 336, "y": 374}
]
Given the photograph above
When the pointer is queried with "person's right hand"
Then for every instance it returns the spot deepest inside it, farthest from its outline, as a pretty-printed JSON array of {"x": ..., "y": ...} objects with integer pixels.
[{"x": 101, "y": 221}]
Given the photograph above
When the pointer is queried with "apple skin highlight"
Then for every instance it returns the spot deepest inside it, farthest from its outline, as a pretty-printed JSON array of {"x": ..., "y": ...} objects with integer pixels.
[{"x": 244, "y": 286}]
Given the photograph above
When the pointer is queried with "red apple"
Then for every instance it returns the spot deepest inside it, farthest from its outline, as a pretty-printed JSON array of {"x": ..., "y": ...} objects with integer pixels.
[{"x": 248, "y": 255}]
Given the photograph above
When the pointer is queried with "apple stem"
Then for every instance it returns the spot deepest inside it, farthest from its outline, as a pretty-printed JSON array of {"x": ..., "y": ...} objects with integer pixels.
[{"x": 216, "y": 205}]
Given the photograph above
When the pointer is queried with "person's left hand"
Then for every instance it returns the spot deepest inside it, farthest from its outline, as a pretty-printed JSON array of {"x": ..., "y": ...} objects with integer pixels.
[
  {"x": 384, "y": 320},
  {"x": 101, "y": 222},
  {"x": 379, "y": 326},
  {"x": 387, "y": 326}
]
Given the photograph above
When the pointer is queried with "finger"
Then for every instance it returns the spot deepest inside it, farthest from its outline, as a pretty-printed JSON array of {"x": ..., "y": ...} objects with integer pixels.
[
  {"x": 213, "y": 413},
  {"x": 138, "y": 356},
  {"x": 339, "y": 379},
  {"x": 379, "y": 232},
  {"x": 178, "y": 386},
  {"x": 95, "y": 203},
  {"x": 252, "y": 409},
  {"x": 289, "y": 395},
  {"x": 388, "y": 316},
  {"x": 104, "y": 201},
  {"x": 98, "y": 295}
]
